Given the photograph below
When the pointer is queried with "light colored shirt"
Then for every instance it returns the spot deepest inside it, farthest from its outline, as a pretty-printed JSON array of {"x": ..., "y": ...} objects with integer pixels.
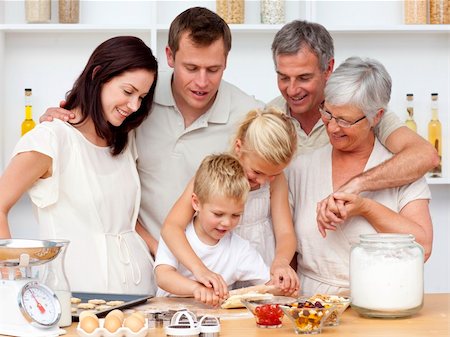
[
  {"x": 91, "y": 199},
  {"x": 232, "y": 257},
  {"x": 318, "y": 137},
  {"x": 323, "y": 263},
  {"x": 169, "y": 153}
]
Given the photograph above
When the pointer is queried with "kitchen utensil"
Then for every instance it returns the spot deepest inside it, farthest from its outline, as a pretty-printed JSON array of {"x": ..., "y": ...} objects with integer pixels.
[{"x": 27, "y": 307}]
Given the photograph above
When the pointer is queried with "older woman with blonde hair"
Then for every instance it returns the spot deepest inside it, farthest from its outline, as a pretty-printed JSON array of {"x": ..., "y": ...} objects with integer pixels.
[{"x": 356, "y": 96}]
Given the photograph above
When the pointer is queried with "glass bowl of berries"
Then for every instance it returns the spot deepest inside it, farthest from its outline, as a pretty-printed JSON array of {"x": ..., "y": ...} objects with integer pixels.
[
  {"x": 268, "y": 313},
  {"x": 308, "y": 317}
]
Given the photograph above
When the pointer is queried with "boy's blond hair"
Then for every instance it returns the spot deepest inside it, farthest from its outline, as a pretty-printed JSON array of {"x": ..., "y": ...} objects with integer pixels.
[
  {"x": 270, "y": 133},
  {"x": 221, "y": 175}
]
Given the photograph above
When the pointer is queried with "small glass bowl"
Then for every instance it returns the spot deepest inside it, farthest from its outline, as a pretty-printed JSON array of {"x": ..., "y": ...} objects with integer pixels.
[
  {"x": 268, "y": 313},
  {"x": 307, "y": 317},
  {"x": 340, "y": 304}
]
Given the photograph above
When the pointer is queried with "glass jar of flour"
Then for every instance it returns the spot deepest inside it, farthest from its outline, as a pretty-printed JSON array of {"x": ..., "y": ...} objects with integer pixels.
[{"x": 386, "y": 275}]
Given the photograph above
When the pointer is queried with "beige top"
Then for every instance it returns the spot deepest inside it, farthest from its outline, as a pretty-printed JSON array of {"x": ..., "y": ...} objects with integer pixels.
[
  {"x": 169, "y": 153},
  {"x": 319, "y": 137},
  {"x": 323, "y": 263}
]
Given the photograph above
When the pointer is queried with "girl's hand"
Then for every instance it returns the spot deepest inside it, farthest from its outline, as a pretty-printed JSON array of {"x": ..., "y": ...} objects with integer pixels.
[
  {"x": 212, "y": 281},
  {"x": 284, "y": 277}
]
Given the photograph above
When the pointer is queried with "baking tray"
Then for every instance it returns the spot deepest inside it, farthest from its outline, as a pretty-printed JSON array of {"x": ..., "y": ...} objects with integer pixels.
[{"x": 130, "y": 301}]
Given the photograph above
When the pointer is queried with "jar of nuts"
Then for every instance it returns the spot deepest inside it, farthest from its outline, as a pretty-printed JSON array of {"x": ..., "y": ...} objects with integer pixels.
[
  {"x": 415, "y": 11},
  {"x": 232, "y": 11},
  {"x": 439, "y": 12},
  {"x": 272, "y": 11}
]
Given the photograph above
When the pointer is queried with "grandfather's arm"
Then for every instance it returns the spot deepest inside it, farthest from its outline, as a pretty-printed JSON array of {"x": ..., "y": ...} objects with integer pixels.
[{"x": 413, "y": 157}]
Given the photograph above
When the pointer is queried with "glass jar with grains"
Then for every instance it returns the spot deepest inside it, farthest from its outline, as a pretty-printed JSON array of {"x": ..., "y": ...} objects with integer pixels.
[
  {"x": 232, "y": 11},
  {"x": 272, "y": 11},
  {"x": 386, "y": 275},
  {"x": 38, "y": 11},
  {"x": 69, "y": 11},
  {"x": 415, "y": 11},
  {"x": 439, "y": 12}
]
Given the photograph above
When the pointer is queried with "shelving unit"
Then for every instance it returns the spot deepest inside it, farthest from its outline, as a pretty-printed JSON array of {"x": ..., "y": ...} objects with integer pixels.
[{"x": 48, "y": 57}]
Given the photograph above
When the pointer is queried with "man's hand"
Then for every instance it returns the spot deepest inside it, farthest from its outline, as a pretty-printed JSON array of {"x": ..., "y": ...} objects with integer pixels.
[
  {"x": 206, "y": 295},
  {"x": 212, "y": 281},
  {"x": 59, "y": 113}
]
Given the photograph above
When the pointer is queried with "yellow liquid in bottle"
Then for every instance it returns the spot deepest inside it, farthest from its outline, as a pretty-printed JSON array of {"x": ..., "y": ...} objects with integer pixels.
[
  {"x": 28, "y": 122},
  {"x": 435, "y": 138},
  {"x": 410, "y": 123}
]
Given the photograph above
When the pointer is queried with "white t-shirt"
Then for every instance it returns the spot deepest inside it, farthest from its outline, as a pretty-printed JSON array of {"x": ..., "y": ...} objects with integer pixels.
[
  {"x": 91, "y": 199},
  {"x": 232, "y": 257},
  {"x": 169, "y": 153},
  {"x": 323, "y": 263}
]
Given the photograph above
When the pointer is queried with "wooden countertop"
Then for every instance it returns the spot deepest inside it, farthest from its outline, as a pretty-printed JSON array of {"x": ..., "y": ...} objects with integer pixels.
[{"x": 432, "y": 320}]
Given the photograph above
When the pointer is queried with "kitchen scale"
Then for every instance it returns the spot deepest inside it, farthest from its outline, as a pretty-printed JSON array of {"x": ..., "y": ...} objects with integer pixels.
[{"x": 27, "y": 307}]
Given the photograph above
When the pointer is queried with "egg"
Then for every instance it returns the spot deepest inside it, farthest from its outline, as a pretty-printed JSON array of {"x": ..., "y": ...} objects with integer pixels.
[
  {"x": 117, "y": 313},
  {"x": 89, "y": 323},
  {"x": 134, "y": 323},
  {"x": 86, "y": 313},
  {"x": 112, "y": 323},
  {"x": 140, "y": 315}
]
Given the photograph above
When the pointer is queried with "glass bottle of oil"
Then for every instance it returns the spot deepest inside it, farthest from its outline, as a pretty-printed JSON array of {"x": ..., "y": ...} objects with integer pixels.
[
  {"x": 28, "y": 123},
  {"x": 435, "y": 134},
  {"x": 410, "y": 122}
]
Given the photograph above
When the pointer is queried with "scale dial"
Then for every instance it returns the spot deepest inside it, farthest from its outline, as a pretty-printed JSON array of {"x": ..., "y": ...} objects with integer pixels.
[{"x": 39, "y": 304}]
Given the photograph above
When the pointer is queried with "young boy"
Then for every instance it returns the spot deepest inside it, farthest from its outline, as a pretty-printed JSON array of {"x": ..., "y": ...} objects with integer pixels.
[{"x": 220, "y": 191}]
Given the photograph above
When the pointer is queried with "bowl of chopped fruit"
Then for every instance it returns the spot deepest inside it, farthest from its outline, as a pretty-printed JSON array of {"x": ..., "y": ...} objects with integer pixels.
[
  {"x": 268, "y": 313},
  {"x": 340, "y": 304},
  {"x": 308, "y": 317}
]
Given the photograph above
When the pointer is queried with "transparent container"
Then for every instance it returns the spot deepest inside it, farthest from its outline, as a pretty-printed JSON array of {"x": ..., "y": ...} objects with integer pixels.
[
  {"x": 386, "y": 275},
  {"x": 38, "y": 11},
  {"x": 69, "y": 11},
  {"x": 272, "y": 11},
  {"x": 415, "y": 11},
  {"x": 439, "y": 12},
  {"x": 55, "y": 278},
  {"x": 232, "y": 11}
]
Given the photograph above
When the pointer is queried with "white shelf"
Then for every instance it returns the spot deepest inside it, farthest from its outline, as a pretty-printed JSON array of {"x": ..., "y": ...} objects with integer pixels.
[
  {"x": 236, "y": 28},
  {"x": 67, "y": 28},
  {"x": 438, "y": 181}
]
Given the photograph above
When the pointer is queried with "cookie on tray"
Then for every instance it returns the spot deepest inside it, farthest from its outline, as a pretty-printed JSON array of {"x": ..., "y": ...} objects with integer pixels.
[
  {"x": 115, "y": 303},
  {"x": 75, "y": 300},
  {"x": 86, "y": 306},
  {"x": 97, "y": 301}
]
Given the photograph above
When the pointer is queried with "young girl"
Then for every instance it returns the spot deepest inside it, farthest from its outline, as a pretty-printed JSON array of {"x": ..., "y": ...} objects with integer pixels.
[{"x": 264, "y": 144}]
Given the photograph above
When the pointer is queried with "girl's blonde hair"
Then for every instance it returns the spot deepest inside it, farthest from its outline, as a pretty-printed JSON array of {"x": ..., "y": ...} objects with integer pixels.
[
  {"x": 221, "y": 175},
  {"x": 270, "y": 133}
]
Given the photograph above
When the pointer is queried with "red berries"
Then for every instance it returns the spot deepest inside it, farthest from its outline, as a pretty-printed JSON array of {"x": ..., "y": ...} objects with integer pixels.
[{"x": 268, "y": 314}]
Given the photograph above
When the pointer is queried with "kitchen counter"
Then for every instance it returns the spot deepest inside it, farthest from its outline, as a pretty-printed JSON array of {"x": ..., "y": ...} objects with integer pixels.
[{"x": 432, "y": 320}]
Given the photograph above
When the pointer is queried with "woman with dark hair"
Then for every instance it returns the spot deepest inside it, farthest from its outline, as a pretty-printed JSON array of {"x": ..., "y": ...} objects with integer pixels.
[{"x": 81, "y": 176}]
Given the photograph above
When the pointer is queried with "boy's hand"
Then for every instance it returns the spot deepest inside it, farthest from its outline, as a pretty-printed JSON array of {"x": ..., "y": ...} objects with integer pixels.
[
  {"x": 59, "y": 113},
  {"x": 206, "y": 295},
  {"x": 212, "y": 281}
]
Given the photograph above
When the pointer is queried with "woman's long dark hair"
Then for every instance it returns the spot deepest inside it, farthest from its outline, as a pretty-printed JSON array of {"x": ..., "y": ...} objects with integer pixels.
[{"x": 111, "y": 59}]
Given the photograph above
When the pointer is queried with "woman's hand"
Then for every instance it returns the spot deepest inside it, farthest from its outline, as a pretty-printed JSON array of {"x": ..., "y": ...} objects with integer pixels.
[
  {"x": 58, "y": 113},
  {"x": 336, "y": 208},
  {"x": 284, "y": 277},
  {"x": 206, "y": 295},
  {"x": 212, "y": 281}
]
